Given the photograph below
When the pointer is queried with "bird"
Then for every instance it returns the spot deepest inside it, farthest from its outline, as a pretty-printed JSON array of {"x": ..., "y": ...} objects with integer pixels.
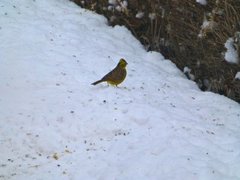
[{"x": 116, "y": 76}]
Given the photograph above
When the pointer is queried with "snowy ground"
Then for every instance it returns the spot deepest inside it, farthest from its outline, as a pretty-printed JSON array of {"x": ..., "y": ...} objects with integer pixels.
[{"x": 54, "y": 125}]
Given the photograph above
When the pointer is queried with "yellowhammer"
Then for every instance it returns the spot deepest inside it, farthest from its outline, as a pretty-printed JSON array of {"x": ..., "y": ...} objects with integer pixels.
[{"x": 116, "y": 76}]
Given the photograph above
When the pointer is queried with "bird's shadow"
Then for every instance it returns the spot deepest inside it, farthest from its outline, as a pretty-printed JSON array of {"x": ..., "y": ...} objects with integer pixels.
[{"x": 109, "y": 86}]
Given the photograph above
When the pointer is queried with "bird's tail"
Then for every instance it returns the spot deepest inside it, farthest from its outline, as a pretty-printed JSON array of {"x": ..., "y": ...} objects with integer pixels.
[{"x": 99, "y": 81}]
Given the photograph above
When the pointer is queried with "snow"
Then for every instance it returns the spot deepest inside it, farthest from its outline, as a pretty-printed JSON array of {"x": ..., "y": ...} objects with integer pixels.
[
  {"x": 120, "y": 6},
  {"x": 139, "y": 15},
  {"x": 231, "y": 55},
  {"x": 55, "y": 125},
  {"x": 237, "y": 76},
  {"x": 187, "y": 72},
  {"x": 152, "y": 16},
  {"x": 113, "y": 2},
  {"x": 202, "y": 2},
  {"x": 124, "y": 4},
  {"x": 207, "y": 26}
]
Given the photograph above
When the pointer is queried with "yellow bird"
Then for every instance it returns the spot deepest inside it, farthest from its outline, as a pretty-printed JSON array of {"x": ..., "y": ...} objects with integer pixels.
[{"x": 116, "y": 76}]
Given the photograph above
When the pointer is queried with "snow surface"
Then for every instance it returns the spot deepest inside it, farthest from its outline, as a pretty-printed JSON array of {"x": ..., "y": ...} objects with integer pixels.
[
  {"x": 202, "y": 2},
  {"x": 237, "y": 76},
  {"x": 231, "y": 55},
  {"x": 55, "y": 125},
  {"x": 187, "y": 72},
  {"x": 139, "y": 15}
]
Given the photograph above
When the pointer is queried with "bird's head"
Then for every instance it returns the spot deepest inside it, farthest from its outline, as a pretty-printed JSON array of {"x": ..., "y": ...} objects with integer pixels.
[{"x": 122, "y": 63}]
